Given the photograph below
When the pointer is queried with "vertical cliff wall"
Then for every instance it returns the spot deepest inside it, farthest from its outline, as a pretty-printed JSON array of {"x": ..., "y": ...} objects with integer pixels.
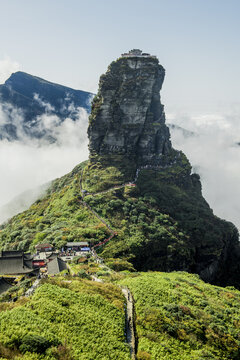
[{"x": 127, "y": 115}]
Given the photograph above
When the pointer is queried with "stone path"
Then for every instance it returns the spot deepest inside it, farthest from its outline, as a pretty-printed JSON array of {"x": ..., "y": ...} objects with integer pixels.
[
  {"x": 98, "y": 216},
  {"x": 95, "y": 278},
  {"x": 113, "y": 233},
  {"x": 129, "y": 310},
  {"x": 130, "y": 322},
  {"x": 31, "y": 290}
]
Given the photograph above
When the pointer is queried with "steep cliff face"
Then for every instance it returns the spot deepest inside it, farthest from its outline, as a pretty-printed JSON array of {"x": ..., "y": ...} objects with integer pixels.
[
  {"x": 127, "y": 115},
  {"x": 127, "y": 123}
]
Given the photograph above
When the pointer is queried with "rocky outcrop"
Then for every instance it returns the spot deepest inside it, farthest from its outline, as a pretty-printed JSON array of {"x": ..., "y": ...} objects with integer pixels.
[{"x": 127, "y": 116}]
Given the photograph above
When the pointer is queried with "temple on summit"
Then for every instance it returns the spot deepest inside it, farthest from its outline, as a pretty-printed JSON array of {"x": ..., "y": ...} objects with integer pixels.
[{"x": 138, "y": 53}]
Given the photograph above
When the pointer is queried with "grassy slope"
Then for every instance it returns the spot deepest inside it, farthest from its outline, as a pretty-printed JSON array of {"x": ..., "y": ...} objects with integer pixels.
[
  {"x": 79, "y": 319},
  {"x": 56, "y": 218},
  {"x": 180, "y": 317},
  {"x": 60, "y": 217},
  {"x": 163, "y": 223}
]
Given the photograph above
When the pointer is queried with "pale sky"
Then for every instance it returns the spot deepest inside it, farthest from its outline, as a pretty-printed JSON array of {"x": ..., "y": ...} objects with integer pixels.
[{"x": 71, "y": 42}]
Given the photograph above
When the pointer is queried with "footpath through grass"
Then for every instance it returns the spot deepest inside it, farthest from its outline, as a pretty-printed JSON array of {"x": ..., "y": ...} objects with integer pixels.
[{"x": 179, "y": 317}]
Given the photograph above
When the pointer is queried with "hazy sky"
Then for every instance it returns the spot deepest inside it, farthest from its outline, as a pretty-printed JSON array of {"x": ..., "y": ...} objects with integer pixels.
[{"x": 73, "y": 41}]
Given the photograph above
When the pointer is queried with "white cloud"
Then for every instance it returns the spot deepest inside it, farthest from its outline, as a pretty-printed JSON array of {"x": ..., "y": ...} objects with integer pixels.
[
  {"x": 216, "y": 157},
  {"x": 48, "y": 107},
  {"x": 28, "y": 163},
  {"x": 7, "y": 67}
]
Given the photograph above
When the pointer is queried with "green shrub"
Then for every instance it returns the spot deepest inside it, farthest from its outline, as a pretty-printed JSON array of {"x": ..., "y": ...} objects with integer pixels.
[
  {"x": 119, "y": 265},
  {"x": 34, "y": 343},
  {"x": 83, "y": 275},
  {"x": 67, "y": 319}
]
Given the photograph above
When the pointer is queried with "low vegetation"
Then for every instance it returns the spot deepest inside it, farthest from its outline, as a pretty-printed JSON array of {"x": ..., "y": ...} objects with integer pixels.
[
  {"x": 179, "y": 317},
  {"x": 57, "y": 218},
  {"x": 66, "y": 318}
]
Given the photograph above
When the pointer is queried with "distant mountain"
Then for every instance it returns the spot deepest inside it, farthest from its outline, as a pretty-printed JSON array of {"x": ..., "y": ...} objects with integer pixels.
[{"x": 25, "y": 98}]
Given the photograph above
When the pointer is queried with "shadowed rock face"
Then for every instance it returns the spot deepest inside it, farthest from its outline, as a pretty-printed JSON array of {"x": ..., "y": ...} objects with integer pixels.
[{"x": 127, "y": 115}]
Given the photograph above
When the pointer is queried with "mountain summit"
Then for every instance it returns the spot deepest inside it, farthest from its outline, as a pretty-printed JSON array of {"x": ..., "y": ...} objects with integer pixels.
[
  {"x": 127, "y": 130},
  {"x": 136, "y": 199},
  {"x": 127, "y": 116}
]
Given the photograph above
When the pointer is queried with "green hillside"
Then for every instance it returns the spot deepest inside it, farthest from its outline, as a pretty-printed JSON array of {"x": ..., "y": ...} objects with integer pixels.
[
  {"x": 137, "y": 202},
  {"x": 179, "y": 317},
  {"x": 162, "y": 223},
  {"x": 56, "y": 218},
  {"x": 65, "y": 319}
]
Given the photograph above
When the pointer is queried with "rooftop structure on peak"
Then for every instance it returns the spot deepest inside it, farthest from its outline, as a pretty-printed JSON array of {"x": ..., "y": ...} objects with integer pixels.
[{"x": 138, "y": 53}]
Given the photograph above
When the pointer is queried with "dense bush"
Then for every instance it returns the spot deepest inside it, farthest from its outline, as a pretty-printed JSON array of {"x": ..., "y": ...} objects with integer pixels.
[
  {"x": 34, "y": 343},
  {"x": 119, "y": 265},
  {"x": 57, "y": 218},
  {"x": 83, "y": 319},
  {"x": 83, "y": 275},
  {"x": 179, "y": 317}
]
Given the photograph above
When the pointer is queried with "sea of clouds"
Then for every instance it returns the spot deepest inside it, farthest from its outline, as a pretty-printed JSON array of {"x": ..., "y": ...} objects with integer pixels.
[
  {"x": 29, "y": 163},
  {"x": 212, "y": 148}
]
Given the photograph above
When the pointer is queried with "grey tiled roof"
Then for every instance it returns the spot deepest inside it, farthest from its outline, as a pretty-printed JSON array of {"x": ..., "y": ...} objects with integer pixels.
[
  {"x": 13, "y": 265},
  {"x": 28, "y": 256},
  {"x": 13, "y": 253},
  {"x": 52, "y": 255},
  {"x": 56, "y": 266},
  {"x": 40, "y": 246}
]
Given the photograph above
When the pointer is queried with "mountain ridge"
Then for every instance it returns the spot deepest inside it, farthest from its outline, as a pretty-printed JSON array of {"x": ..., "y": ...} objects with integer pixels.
[{"x": 27, "y": 98}]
